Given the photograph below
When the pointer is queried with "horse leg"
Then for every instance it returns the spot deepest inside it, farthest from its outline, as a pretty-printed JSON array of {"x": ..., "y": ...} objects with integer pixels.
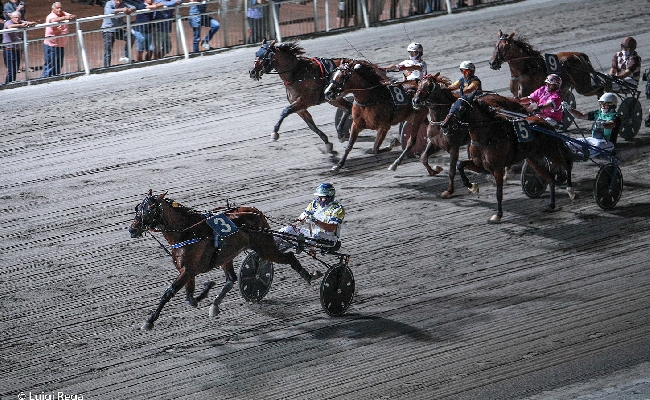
[
  {"x": 453, "y": 154},
  {"x": 569, "y": 186},
  {"x": 180, "y": 281},
  {"x": 354, "y": 134},
  {"x": 231, "y": 278},
  {"x": 473, "y": 186},
  {"x": 381, "y": 135},
  {"x": 498, "y": 177},
  {"x": 306, "y": 116},
  {"x": 409, "y": 146},
  {"x": 345, "y": 105},
  {"x": 284, "y": 114}
]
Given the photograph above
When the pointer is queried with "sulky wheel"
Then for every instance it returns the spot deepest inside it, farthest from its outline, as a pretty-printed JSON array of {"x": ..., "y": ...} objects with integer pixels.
[
  {"x": 631, "y": 117},
  {"x": 255, "y": 277},
  {"x": 608, "y": 186},
  {"x": 337, "y": 290},
  {"x": 532, "y": 185}
]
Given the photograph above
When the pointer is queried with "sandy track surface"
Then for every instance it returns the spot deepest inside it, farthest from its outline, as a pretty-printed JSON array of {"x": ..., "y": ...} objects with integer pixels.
[{"x": 446, "y": 306}]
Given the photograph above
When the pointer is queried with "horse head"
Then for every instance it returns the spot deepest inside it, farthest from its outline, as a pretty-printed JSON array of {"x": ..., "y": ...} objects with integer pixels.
[
  {"x": 432, "y": 92},
  {"x": 148, "y": 214},
  {"x": 263, "y": 63},
  {"x": 338, "y": 80},
  {"x": 501, "y": 48}
]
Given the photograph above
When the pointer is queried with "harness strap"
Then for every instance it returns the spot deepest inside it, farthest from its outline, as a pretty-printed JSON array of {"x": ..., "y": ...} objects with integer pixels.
[
  {"x": 185, "y": 243},
  {"x": 320, "y": 65}
]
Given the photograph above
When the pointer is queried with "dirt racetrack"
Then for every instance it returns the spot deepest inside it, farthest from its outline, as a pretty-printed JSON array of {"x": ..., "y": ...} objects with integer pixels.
[{"x": 446, "y": 306}]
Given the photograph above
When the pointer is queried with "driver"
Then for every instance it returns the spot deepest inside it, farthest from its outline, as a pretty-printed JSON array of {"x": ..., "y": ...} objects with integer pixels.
[
  {"x": 626, "y": 64},
  {"x": 323, "y": 217},
  {"x": 468, "y": 86},
  {"x": 605, "y": 127},
  {"x": 548, "y": 101},
  {"x": 415, "y": 67}
]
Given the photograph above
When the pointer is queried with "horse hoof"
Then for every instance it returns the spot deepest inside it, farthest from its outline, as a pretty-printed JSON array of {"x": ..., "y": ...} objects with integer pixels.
[
  {"x": 494, "y": 220},
  {"x": 275, "y": 136},
  {"x": 214, "y": 310},
  {"x": 336, "y": 168},
  {"x": 147, "y": 326},
  {"x": 392, "y": 167},
  {"x": 474, "y": 188},
  {"x": 192, "y": 302},
  {"x": 329, "y": 147},
  {"x": 549, "y": 209},
  {"x": 342, "y": 139},
  {"x": 437, "y": 170},
  {"x": 446, "y": 194},
  {"x": 571, "y": 192}
]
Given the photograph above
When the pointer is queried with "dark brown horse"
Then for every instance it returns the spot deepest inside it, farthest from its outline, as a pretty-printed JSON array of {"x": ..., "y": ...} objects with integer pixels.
[
  {"x": 377, "y": 105},
  {"x": 304, "y": 79},
  {"x": 528, "y": 68},
  {"x": 433, "y": 94},
  {"x": 495, "y": 145},
  {"x": 192, "y": 241}
]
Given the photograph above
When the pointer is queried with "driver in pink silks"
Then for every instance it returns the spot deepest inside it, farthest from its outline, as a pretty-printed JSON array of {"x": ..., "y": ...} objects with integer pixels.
[
  {"x": 548, "y": 101},
  {"x": 324, "y": 216}
]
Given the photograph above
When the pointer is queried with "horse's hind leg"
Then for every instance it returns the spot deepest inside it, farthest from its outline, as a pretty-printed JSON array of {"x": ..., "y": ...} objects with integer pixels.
[
  {"x": 231, "y": 278},
  {"x": 453, "y": 153},
  {"x": 167, "y": 295},
  {"x": 306, "y": 116},
  {"x": 498, "y": 177},
  {"x": 409, "y": 145}
]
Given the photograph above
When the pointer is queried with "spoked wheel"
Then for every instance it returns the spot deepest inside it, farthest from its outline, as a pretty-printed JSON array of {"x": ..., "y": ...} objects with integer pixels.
[
  {"x": 568, "y": 118},
  {"x": 255, "y": 277},
  {"x": 608, "y": 186},
  {"x": 631, "y": 117},
  {"x": 532, "y": 184},
  {"x": 337, "y": 290}
]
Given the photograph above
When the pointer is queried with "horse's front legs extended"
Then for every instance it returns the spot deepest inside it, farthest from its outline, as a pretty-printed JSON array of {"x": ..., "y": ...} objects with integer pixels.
[
  {"x": 180, "y": 281},
  {"x": 284, "y": 114},
  {"x": 231, "y": 278}
]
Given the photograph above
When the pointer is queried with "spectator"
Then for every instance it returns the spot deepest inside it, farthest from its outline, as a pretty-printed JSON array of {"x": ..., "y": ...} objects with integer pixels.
[
  {"x": 347, "y": 11},
  {"x": 162, "y": 29},
  {"x": 143, "y": 31},
  {"x": 255, "y": 15},
  {"x": 197, "y": 20},
  {"x": 626, "y": 64},
  {"x": 115, "y": 7},
  {"x": 54, "y": 45},
  {"x": 12, "y": 49},
  {"x": 11, "y": 6}
]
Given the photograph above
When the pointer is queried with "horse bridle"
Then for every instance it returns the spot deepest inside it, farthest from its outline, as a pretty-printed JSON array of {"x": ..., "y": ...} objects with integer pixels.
[
  {"x": 500, "y": 59},
  {"x": 346, "y": 71},
  {"x": 265, "y": 57}
]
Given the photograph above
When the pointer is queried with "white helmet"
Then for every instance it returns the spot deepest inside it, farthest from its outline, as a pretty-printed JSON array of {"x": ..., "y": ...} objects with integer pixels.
[
  {"x": 415, "y": 46},
  {"x": 468, "y": 65},
  {"x": 608, "y": 98}
]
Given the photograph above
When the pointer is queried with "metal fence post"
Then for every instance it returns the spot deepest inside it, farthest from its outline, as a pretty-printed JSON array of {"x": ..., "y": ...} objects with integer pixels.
[{"x": 276, "y": 21}]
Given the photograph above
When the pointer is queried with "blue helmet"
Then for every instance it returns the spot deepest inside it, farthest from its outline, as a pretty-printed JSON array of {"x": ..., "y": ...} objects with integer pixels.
[{"x": 325, "y": 190}]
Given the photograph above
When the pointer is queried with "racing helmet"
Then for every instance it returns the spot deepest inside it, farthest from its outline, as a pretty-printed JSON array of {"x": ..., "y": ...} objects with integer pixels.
[
  {"x": 608, "y": 98},
  {"x": 467, "y": 65},
  {"x": 415, "y": 46},
  {"x": 554, "y": 79},
  {"x": 629, "y": 42},
  {"x": 325, "y": 190}
]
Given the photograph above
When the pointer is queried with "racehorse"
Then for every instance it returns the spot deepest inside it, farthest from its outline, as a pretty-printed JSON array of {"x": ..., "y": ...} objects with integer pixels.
[
  {"x": 432, "y": 93},
  {"x": 193, "y": 250},
  {"x": 528, "y": 68},
  {"x": 304, "y": 80},
  {"x": 377, "y": 104},
  {"x": 494, "y": 144}
]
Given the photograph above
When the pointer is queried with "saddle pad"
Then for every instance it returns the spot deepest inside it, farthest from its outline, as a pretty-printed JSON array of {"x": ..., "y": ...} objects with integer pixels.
[
  {"x": 400, "y": 96},
  {"x": 327, "y": 65},
  {"x": 221, "y": 225},
  {"x": 522, "y": 130}
]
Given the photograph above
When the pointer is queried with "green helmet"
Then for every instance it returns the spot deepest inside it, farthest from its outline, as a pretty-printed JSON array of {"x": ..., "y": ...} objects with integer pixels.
[{"x": 325, "y": 190}]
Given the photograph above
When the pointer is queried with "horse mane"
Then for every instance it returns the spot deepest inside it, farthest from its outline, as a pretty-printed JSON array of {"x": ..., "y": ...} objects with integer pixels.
[
  {"x": 443, "y": 81},
  {"x": 494, "y": 102},
  {"x": 371, "y": 72},
  {"x": 292, "y": 48},
  {"x": 527, "y": 48}
]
